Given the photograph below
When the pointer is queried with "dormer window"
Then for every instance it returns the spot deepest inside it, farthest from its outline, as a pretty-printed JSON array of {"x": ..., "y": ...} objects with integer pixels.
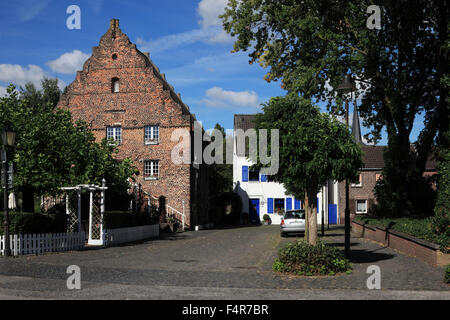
[{"x": 115, "y": 85}]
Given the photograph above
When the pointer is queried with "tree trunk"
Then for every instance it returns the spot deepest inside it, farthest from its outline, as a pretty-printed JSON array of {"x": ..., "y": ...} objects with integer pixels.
[
  {"x": 27, "y": 200},
  {"x": 306, "y": 219},
  {"x": 311, "y": 213}
]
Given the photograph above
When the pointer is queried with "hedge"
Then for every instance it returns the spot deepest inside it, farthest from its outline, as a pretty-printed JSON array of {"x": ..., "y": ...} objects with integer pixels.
[
  {"x": 301, "y": 258},
  {"x": 126, "y": 219},
  {"x": 28, "y": 223}
]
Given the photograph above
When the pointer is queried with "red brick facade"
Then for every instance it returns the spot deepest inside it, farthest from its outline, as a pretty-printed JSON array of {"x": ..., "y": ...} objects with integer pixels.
[{"x": 144, "y": 98}]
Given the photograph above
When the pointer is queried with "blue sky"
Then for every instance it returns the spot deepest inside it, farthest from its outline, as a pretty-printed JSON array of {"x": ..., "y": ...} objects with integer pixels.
[{"x": 184, "y": 38}]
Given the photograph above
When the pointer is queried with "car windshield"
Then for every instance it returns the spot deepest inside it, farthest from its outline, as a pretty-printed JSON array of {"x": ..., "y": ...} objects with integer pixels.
[{"x": 298, "y": 214}]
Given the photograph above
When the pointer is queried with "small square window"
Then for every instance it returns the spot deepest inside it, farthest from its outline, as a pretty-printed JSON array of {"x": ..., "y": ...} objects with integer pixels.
[
  {"x": 253, "y": 175},
  {"x": 361, "y": 206},
  {"x": 358, "y": 184},
  {"x": 151, "y": 134},
  {"x": 151, "y": 169},
  {"x": 114, "y": 134}
]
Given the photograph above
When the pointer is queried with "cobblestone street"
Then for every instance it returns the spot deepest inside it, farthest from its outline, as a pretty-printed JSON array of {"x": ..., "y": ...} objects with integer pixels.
[{"x": 215, "y": 264}]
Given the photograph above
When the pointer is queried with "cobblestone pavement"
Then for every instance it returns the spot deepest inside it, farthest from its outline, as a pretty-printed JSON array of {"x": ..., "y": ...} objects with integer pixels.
[{"x": 232, "y": 263}]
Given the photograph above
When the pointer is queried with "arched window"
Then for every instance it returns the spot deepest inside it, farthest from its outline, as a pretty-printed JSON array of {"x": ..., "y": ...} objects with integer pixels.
[{"x": 115, "y": 85}]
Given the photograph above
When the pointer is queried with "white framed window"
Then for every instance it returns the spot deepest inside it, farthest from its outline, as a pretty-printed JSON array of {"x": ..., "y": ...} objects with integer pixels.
[
  {"x": 359, "y": 183},
  {"x": 151, "y": 169},
  {"x": 151, "y": 134},
  {"x": 361, "y": 206},
  {"x": 114, "y": 133}
]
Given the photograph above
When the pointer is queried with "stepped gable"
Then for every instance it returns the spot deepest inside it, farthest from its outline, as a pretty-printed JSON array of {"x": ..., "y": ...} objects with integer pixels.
[{"x": 116, "y": 56}]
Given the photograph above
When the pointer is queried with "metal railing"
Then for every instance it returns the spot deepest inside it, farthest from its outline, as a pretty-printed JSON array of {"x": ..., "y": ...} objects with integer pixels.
[{"x": 170, "y": 211}]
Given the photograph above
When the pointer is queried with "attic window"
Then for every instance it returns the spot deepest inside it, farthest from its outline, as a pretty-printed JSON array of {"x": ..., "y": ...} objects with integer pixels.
[
  {"x": 115, "y": 85},
  {"x": 114, "y": 56}
]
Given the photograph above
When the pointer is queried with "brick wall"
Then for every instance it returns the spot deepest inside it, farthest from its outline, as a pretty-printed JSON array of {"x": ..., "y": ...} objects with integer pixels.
[
  {"x": 144, "y": 98},
  {"x": 406, "y": 244},
  {"x": 364, "y": 192}
]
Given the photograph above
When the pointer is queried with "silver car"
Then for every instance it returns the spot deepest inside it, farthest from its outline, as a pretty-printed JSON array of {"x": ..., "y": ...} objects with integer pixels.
[{"x": 293, "y": 222}]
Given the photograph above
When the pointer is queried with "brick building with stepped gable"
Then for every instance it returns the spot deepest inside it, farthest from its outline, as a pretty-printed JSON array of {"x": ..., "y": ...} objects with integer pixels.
[{"x": 123, "y": 96}]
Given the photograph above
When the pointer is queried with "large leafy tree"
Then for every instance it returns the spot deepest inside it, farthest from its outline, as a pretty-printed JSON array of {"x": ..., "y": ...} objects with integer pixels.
[
  {"x": 51, "y": 151},
  {"x": 310, "y": 44},
  {"x": 314, "y": 147}
]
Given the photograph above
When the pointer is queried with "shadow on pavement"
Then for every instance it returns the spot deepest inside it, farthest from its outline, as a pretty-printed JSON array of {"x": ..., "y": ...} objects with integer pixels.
[{"x": 368, "y": 256}]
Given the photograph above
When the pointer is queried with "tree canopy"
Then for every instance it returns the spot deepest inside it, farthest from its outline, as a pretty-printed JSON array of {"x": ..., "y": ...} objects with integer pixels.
[
  {"x": 314, "y": 148},
  {"x": 310, "y": 44},
  {"x": 51, "y": 151}
]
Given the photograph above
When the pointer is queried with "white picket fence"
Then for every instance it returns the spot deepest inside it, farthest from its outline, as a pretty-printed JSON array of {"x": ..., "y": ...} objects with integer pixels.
[
  {"x": 23, "y": 244},
  {"x": 123, "y": 235}
]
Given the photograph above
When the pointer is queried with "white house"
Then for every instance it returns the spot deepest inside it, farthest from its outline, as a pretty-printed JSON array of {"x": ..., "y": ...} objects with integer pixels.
[{"x": 260, "y": 195}]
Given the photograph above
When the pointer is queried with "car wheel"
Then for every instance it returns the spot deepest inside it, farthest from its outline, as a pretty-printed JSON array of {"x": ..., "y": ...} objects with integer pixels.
[{"x": 282, "y": 234}]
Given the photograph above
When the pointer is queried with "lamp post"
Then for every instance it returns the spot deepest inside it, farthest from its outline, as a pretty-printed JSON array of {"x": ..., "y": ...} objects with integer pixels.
[
  {"x": 347, "y": 86},
  {"x": 8, "y": 139}
]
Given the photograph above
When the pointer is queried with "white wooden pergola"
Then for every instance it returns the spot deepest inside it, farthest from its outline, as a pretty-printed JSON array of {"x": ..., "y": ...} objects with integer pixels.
[{"x": 96, "y": 210}]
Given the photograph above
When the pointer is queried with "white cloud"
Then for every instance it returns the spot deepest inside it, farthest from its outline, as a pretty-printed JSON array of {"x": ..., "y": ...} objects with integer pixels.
[
  {"x": 18, "y": 75},
  {"x": 217, "y": 97},
  {"x": 210, "y": 30},
  {"x": 2, "y": 91},
  {"x": 209, "y": 11},
  {"x": 69, "y": 62},
  {"x": 14, "y": 73}
]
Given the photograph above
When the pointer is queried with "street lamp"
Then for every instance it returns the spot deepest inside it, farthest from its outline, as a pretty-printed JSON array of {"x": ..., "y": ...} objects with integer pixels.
[
  {"x": 347, "y": 86},
  {"x": 8, "y": 139}
]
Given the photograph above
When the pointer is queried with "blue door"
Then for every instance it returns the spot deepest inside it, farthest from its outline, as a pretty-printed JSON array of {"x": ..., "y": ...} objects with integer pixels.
[
  {"x": 254, "y": 211},
  {"x": 332, "y": 213}
]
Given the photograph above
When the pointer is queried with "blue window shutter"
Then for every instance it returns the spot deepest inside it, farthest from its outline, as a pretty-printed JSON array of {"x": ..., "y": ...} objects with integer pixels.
[
  {"x": 263, "y": 178},
  {"x": 269, "y": 205},
  {"x": 245, "y": 173},
  {"x": 297, "y": 204},
  {"x": 288, "y": 203},
  {"x": 317, "y": 205}
]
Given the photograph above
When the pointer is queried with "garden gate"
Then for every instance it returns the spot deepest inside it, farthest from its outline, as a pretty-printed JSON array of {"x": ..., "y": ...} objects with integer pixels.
[{"x": 96, "y": 210}]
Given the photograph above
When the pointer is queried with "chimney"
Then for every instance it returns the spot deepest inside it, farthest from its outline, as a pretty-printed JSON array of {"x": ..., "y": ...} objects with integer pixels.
[{"x": 113, "y": 25}]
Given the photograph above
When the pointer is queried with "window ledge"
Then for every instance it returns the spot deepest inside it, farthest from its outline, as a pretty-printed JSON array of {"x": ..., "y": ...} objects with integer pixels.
[
  {"x": 150, "y": 178},
  {"x": 152, "y": 142}
]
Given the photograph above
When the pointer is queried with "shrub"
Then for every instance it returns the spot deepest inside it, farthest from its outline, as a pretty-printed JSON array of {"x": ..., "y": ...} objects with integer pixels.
[
  {"x": 302, "y": 258},
  {"x": 28, "y": 223},
  {"x": 125, "y": 219},
  {"x": 266, "y": 217}
]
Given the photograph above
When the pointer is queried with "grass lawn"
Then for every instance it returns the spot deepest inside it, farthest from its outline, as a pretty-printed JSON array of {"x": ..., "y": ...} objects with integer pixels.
[{"x": 418, "y": 227}]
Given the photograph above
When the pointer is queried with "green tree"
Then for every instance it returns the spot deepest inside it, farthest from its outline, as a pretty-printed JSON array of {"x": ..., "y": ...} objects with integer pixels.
[
  {"x": 51, "y": 151},
  {"x": 314, "y": 147},
  {"x": 310, "y": 44},
  {"x": 221, "y": 173}
]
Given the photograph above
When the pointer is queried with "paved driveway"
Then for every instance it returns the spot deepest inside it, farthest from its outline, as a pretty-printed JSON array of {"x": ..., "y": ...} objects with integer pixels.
[{"x": 223, "y": 263}]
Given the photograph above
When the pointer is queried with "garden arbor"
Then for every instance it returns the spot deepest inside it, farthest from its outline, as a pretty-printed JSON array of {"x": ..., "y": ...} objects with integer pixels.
[{"x": 96, "y": 210}]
